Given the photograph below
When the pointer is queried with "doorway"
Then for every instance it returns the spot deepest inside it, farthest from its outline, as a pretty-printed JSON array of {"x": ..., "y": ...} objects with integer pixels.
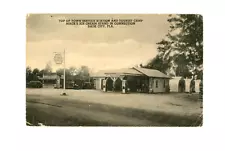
[
  {"x": 109, "y": 84},
  {"x": 118, "y": 85}
]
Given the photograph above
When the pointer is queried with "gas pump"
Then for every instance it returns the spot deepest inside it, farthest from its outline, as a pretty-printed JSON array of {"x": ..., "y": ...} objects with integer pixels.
[
  {"x": 124, "y": 86},
  {"x": 104, "y": 85}
]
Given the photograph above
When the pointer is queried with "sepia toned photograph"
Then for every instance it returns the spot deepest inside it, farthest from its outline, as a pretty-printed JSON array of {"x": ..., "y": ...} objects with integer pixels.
[{"x": 142, "y": 70}]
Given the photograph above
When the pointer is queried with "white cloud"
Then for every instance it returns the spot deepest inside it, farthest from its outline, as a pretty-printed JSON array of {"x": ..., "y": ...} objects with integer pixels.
[{"x": 95, "y": 55}]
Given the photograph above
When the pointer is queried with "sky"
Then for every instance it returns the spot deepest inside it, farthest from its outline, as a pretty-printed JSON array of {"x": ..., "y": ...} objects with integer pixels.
[{"x": 97, "y": 48}]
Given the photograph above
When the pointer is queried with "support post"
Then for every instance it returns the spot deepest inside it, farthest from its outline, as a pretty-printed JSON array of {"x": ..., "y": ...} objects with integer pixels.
[
  {"x": 114, "y": 84},
  {"x": 124, "y": 86},
  {"x": 104, "y": 85}
]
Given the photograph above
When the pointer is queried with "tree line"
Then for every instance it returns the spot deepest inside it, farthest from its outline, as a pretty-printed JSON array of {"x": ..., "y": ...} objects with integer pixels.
[
  {"x": 180, "y": 52},
  {"x": 72, "y": 73}
]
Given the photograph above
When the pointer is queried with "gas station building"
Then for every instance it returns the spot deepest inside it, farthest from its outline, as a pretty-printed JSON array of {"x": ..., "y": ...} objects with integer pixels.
[{"x": 134, "y": 79}]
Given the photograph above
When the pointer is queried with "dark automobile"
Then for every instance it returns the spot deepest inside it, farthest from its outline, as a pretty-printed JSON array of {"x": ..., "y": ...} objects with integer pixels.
[
  {"x": 76, "y": 87},
  {"x": 87, "y": 85},
  {"x": 34, "y": 84},
  {"x": 71, "y": 86}
]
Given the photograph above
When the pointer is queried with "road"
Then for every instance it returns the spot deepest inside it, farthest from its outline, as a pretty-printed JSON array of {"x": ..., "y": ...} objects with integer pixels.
[{"x": 94, "y": 108}]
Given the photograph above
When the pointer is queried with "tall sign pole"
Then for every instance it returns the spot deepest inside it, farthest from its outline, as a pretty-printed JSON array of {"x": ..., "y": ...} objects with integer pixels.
[
  {"x": 59, "y": 59},
  {"x": 64, "y": 79}
]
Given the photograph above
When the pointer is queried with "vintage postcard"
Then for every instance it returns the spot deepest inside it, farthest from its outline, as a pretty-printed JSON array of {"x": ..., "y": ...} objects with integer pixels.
[{"x": 114, "y": 70}]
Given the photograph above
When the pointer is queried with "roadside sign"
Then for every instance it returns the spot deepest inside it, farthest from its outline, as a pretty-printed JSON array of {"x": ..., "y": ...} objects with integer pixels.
[{"x": 58, "y": 58}]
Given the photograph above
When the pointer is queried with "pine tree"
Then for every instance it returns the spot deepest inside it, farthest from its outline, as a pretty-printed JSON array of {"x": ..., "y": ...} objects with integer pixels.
[{"x": 183, "y": 45}]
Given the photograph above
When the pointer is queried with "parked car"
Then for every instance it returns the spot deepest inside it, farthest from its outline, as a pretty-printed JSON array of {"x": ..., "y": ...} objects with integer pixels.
[
  {"x": 71, "y": 86},
  {"x": 87, "y": 85},
  {"x": 35, "y": 84},
  {"x": 76, "y": 87}
]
